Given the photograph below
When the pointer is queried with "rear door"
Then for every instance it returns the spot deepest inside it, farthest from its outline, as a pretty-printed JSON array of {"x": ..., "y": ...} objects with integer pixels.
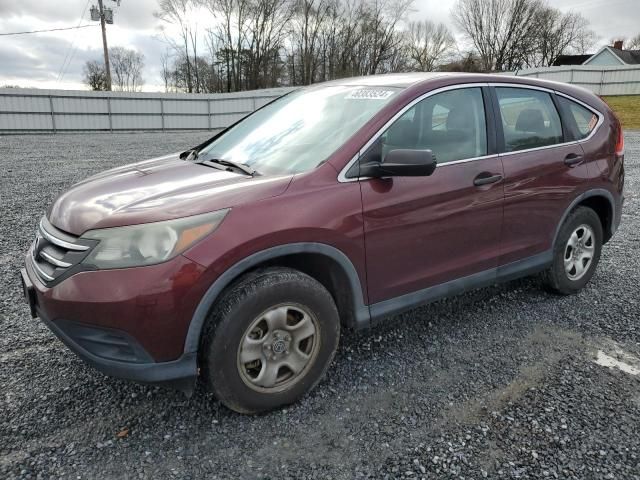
[
  {"x": 544, "y": 169},
  {"x": 424, "y": 231}
]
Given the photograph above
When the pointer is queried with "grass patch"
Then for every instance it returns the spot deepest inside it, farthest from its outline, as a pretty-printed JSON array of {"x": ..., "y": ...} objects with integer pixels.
[{"x": 627, "y": 108}]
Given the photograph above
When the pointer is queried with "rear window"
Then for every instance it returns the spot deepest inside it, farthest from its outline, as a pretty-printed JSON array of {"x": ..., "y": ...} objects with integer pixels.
[
  {"x": 582, "y": 121},
  {"x": 529, "y": 118}
]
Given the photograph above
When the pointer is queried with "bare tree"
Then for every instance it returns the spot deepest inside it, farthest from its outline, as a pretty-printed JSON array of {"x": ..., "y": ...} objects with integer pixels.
[
  {"x": 267, "y": 28},
  {"x": 340, "y": 39},
  {"x": 231, "y": 32},
  {"x": 308, "y": 22},
  {"x": 380, "y": 33},
  {"x": 126, "y": 69},
  {"x": 266, "y": 43},
  {"x": 95, "y": 76},
  {"x": 557, "y": 33},
  {"x": 166, "y": 71},
  {"x": 179, "y": 14},
  {"x": 586, "y": 42},
  {"x": 428, "y": 43},
  {"x": 501, "y": 31},
  {"x": 634, "y": 43},
  {"x": 467, "y": 62}
]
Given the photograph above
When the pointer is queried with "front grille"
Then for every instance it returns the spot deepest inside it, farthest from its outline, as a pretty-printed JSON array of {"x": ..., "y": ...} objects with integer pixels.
[{"x": 54, "y": 252}]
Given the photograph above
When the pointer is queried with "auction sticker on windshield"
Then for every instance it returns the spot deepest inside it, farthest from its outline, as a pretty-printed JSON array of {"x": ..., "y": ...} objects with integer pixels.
[{"x": 370, "y": 94}]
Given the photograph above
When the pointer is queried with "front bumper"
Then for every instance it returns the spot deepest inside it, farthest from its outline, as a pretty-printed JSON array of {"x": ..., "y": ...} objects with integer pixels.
[
  {"x": 180, "y": 374},
  {"x": 122, "y": 324}
]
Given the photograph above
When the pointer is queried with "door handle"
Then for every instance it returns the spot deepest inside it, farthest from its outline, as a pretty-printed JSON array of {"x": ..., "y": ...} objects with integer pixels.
[
  {"x": 573, "y": 159},
  {"x": 483, "y": 179}
]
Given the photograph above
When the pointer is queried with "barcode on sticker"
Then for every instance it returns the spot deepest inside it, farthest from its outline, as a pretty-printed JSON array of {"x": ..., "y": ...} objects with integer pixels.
[{"x": 369, "y": 94}]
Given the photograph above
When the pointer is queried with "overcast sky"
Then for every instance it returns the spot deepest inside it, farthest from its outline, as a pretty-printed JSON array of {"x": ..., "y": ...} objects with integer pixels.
[{"x": 55, "y": 59}]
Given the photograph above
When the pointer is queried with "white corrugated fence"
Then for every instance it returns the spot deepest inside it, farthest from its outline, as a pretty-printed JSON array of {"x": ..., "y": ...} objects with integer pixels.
[
  {"x": 34, "y": 110},
  {"x": 623, "y": 80}
]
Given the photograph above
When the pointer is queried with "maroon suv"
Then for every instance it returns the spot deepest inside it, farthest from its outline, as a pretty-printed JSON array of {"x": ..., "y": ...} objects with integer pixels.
[{"x": 336, "y": 205}]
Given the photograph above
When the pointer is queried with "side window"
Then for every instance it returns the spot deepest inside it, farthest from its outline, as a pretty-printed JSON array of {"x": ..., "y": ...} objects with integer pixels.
[
  {"x": 581, "y": 120},
  {"x": 529, "y": 118},
  {"x": 451, "y": 124}
]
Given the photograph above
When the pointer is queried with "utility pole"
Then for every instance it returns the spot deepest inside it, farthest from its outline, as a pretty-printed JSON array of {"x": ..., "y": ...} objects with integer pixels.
[{"x": 107, "y": 68}]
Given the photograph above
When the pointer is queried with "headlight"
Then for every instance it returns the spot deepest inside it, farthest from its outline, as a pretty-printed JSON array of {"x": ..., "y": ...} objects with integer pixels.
[{"x": 149, "y": 243}]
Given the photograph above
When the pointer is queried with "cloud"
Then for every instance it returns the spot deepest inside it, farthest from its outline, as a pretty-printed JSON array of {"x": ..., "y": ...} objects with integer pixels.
[
  {"x": 40, "y": 60},
  {"x": 37, "y": 59},
  {"x": 136, "y": 14}
]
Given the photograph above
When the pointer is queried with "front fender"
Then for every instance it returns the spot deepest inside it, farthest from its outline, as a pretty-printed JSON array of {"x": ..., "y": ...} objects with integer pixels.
[{"x": 361, "y": 311}]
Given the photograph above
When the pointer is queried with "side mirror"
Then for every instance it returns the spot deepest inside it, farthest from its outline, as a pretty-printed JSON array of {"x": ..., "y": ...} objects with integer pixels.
[{"x": 401, "y": 163}]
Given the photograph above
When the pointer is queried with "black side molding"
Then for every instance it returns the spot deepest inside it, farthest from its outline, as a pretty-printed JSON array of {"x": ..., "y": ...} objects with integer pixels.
[{"x": 514, "y": 270}]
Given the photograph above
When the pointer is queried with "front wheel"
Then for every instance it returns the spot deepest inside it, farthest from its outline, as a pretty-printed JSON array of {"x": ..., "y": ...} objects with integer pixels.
[
  {"x": 269, "y": 340},
  {"x": 576, "y": 253}
]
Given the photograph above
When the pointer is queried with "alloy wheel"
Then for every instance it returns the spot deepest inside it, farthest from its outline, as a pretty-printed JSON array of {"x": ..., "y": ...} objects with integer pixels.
[{"x": 579, "y": 252}]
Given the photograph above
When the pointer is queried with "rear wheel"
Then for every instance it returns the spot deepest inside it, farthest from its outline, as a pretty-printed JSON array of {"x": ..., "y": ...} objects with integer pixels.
[
  {"x": 576, "y": 253},
  {"x": 269, "y": 340}
]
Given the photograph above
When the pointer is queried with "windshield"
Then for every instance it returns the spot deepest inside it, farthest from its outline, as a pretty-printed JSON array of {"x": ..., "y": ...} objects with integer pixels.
[{"x": 301, "y": 130}]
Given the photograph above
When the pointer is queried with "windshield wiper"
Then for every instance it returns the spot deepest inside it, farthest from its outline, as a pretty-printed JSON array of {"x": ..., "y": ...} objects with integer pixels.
[{"x": 230, "y": 163}]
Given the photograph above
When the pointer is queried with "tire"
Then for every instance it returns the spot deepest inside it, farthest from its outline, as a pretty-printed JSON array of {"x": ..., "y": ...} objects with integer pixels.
[
  {"x": 257, "y": 352},
  {"x": 567, "y": 278}
]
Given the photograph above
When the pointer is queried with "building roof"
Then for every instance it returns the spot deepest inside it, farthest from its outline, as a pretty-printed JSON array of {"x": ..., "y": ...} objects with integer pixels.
[
  {"x": 571, "y": 59},
  {"x": 626, "y": 57},
  {"x": 630, "y": 57}
]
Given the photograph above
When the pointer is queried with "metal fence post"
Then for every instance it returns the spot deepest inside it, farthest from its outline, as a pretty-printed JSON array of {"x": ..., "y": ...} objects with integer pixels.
[
  {"x": 209, "y": 123},
  {"x": 162, "y": 112},
  {"x": 109, "y": 113},
  {"x": 53, "y": 114}
]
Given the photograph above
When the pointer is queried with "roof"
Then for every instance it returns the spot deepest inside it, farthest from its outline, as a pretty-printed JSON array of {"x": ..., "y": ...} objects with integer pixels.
[
  {"x": 630, "y": 57},
  {"x": 626, "y": 57},
  {"x": 571, "y": 59},
  {"x": 444, "y": 79}
]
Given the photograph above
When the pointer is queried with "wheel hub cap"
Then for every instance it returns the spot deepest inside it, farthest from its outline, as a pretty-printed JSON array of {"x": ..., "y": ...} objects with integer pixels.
[
  {"x": 280, "y": 343},
  {"x": 278, "y": 348}
]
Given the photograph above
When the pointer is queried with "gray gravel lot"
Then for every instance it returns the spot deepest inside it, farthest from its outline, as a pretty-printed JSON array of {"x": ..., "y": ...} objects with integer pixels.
[{"x": 500, "y": 382}]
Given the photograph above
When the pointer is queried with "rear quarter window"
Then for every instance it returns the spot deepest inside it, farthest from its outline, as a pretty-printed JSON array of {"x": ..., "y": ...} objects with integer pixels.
[{"x": 582, "y": 121}]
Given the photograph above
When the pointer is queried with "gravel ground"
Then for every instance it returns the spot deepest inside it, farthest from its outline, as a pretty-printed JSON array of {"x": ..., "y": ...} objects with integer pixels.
[{"x": 501, "y": 382}]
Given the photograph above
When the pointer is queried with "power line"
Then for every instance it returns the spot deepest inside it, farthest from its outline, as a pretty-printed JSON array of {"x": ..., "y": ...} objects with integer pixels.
[
  {"x": 71, "y": 51},
  {"x": 49, "y": 30}
]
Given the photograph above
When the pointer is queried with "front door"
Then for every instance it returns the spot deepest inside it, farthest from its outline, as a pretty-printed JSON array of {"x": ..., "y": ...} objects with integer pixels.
[{"x": 425, "y": 231}]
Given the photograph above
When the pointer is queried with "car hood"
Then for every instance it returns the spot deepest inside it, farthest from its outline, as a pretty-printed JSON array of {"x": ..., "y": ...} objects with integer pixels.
[{"x": 158, "y": 189}]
